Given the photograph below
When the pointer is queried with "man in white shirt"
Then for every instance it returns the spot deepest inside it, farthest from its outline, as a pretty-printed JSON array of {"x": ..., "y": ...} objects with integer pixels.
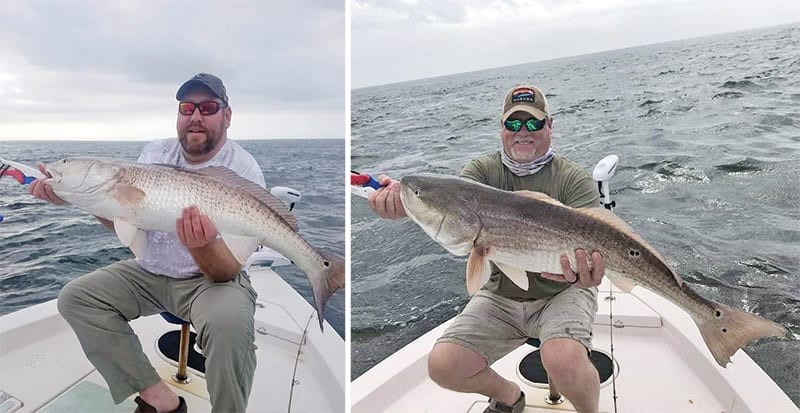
[{"x": 190, "y": 274}]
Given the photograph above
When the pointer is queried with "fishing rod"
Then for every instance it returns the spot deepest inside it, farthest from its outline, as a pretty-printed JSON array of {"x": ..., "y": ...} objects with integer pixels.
[
  {"x": 603, "y": 172},
  {"x": 363, "y": 184},
  {"x": 296, "y": 382},
  {"x": 23, "y": 174}
]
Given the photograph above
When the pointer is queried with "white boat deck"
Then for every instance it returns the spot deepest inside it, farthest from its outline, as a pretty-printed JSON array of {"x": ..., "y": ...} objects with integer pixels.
[
  {"x": 42, "y": 363},
  {"x": 664, "y": 366}
]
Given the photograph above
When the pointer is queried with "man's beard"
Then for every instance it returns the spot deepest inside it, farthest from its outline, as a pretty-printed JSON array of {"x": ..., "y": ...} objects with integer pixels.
[{"x": 209, "y": 145}]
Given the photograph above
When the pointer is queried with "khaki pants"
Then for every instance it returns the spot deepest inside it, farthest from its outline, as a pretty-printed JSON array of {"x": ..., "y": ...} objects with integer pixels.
[
  {"x": 492, "y": 325},
  {"x": 99, "y": 305}
]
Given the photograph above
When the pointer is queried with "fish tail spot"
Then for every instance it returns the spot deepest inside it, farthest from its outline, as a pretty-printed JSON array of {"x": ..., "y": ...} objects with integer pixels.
[
  {"x": 327, "y": 281},
  {"x": 732, "y": 329}
]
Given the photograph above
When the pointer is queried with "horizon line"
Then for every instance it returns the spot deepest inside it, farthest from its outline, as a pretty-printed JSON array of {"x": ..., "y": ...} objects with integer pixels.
[
  {"x": 575, "y": 55},
  {"x": 71, "y": 139}
]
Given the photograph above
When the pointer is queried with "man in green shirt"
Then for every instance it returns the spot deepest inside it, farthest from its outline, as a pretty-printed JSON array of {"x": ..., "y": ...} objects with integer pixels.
[{"x": 559, "y": 309}]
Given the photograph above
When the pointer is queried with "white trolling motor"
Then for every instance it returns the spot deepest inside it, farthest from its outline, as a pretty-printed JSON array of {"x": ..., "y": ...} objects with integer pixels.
[
  {"x": 289, "y": 196},
  {"x": 603, "y": 172}
]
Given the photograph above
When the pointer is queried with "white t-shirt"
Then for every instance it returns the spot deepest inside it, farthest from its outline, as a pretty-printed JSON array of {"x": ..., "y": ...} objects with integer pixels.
[{"x": 165, "y": 254}]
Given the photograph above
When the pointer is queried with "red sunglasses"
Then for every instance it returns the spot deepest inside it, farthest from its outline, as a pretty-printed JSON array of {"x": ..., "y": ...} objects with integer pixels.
[{"x": 206, "y": 108}]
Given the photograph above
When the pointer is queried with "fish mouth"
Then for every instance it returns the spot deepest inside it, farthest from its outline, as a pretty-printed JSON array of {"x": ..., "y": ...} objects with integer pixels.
[
  {"x": 52, "y": 176},
  {"x": 55, "y": 176}
]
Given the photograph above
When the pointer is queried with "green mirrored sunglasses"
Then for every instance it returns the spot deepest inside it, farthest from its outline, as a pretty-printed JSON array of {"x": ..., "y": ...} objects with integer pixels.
[{"x": 514, "y": 125}]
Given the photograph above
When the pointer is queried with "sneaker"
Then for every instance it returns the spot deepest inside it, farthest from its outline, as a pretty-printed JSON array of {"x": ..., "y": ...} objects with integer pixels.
[
  {"x": 146, "y": 408},
  {"x": 497, "y": 407}
]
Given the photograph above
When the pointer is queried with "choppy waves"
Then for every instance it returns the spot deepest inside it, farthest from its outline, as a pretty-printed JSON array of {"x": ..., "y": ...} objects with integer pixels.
[
  {"x": 43, "y": 247},
  {"x": 707, "y": 131}
]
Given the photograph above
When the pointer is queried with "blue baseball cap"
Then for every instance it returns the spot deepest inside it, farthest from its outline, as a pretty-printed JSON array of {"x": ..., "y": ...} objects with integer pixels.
[{"x": 209, "y": 81}]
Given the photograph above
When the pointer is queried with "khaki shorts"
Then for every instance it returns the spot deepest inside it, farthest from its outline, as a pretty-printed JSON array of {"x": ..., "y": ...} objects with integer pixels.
[{"x": 492, "y": 325}]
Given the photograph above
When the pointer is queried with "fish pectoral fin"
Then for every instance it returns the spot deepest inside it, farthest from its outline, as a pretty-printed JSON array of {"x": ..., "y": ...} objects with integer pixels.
[
  {"x": 131, "y": 236},
  {"x": 478, "y": 269},
  {"x": 241, "y": 247},
  {"x": 539, "y": 196},
  {"x": 622, "y": 283},
  {"x": 515, "y": 274},
  {"x": 128, "y": 195}
]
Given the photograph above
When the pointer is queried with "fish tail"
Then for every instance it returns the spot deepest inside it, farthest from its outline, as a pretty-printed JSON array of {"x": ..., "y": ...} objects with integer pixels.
[
  {"x": 331, "y": 279},
  {"x": 725, "y": 330}
]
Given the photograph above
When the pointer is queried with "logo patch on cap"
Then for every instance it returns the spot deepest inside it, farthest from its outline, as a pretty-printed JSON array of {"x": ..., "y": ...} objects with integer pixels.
[{"x": 523, "y": 95}]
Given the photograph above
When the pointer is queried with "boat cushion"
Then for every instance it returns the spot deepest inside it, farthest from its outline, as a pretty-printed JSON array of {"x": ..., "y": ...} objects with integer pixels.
[
  {"x": 171, "y": 318},
  {"x": 531, "y": 367}
]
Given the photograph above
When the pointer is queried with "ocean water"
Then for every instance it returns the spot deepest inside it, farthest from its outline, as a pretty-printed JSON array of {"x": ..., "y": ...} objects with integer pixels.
[
  {"x": 708, "y": 135},
  {"x": 42, "y": 247}
]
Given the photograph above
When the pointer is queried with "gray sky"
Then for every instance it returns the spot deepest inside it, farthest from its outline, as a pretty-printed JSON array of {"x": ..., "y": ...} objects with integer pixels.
[
  {"x": 397, "y": 40},
  {"x": 109, "y": 69}
]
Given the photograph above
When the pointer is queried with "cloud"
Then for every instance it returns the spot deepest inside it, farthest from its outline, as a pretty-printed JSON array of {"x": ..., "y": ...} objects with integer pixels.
[
  {"x": 66, "y": 58},
  {"x": 397, "y": 40}
]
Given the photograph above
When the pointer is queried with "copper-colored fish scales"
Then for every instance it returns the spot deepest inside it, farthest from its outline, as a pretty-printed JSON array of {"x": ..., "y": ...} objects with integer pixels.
[
  {"x": 528, "y": 231},
  {"x": 139, "y": 197}
]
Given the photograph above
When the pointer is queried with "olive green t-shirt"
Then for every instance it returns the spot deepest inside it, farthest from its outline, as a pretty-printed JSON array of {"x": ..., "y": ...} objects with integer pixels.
[{"x": 560, "y": 179}]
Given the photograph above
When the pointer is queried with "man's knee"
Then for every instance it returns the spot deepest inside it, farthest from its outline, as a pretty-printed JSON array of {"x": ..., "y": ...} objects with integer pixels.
[
  {"x": 450, "y": 364},
  {"x": 231, "y": 321},
  {"x": 69, "y": 297},
  {"x": 564, "y": 358},
  {"x": 228, "y": 320}
]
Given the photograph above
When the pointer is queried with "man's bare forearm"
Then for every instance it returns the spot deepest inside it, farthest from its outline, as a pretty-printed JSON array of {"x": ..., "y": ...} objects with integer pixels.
[{"x": 216, "y": 261}]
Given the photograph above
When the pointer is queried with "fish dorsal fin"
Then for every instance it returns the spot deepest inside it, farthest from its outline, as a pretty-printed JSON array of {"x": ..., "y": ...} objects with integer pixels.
[
  {"x": 604, "y": 215},
  {"x": 617, "y": 223},
  {"x": 539, "y": 196},
  {"x": 223, "y": 174},
  {"x": 608, "y": 217}
]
